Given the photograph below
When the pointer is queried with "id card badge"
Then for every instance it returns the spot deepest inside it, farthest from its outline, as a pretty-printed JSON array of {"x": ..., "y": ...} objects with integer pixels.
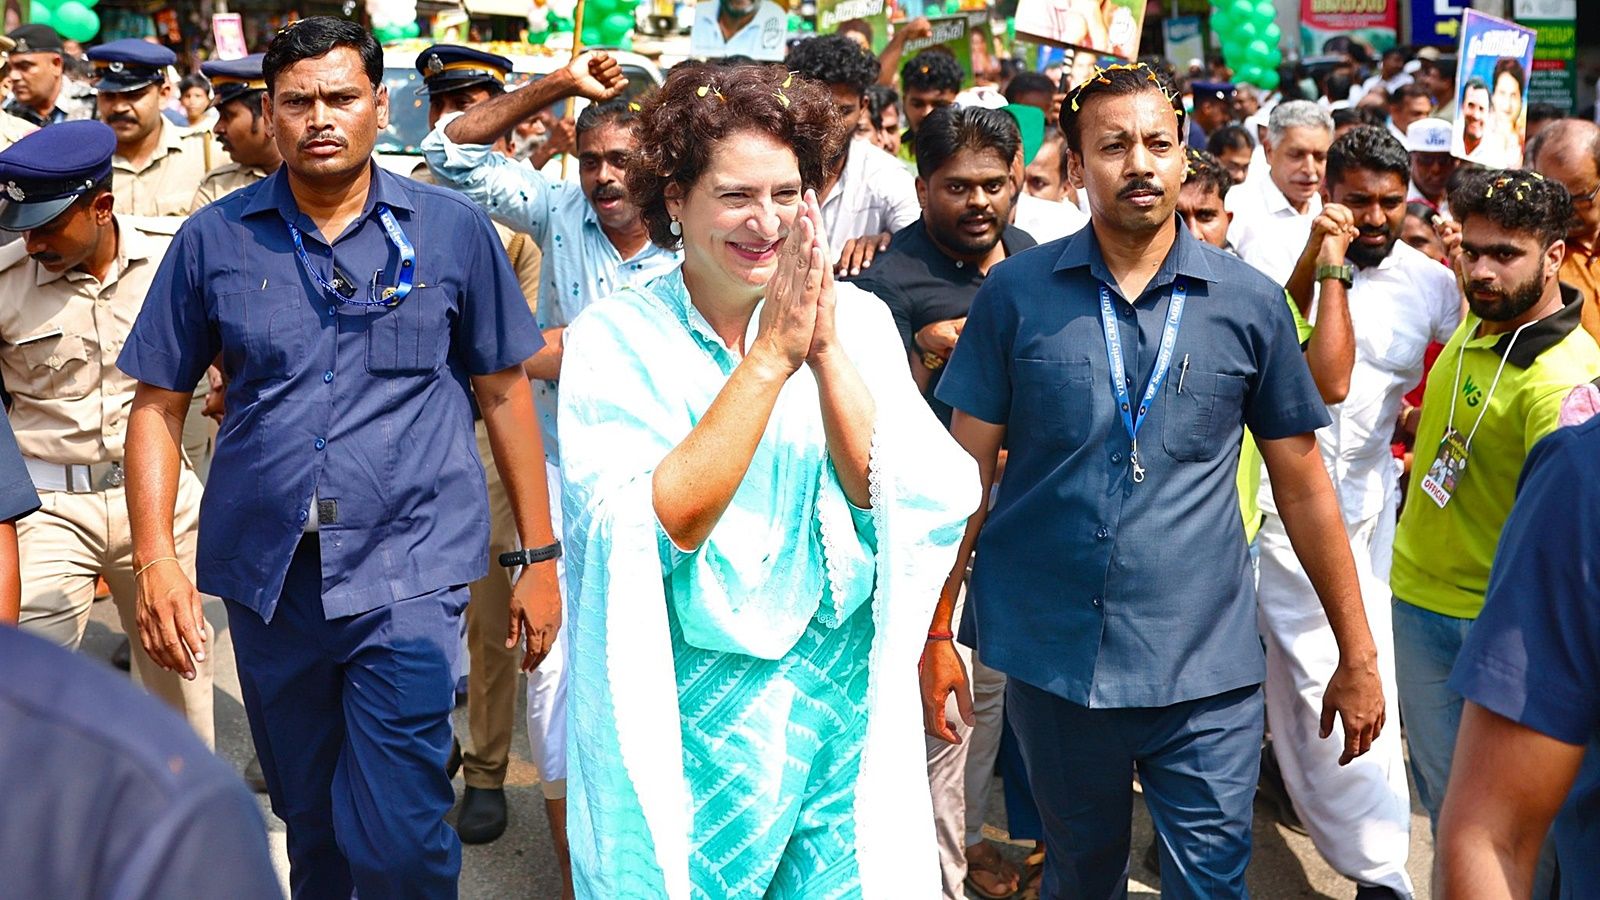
[{"x": 1448, "y": 465}]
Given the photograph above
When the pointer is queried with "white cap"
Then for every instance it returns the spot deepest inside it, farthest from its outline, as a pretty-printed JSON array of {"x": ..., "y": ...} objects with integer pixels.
[{"x": 1428, "y": 135}]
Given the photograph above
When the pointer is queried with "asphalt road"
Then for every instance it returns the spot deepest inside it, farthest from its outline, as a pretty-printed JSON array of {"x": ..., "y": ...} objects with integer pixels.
[{"x": 521, "y": 864}]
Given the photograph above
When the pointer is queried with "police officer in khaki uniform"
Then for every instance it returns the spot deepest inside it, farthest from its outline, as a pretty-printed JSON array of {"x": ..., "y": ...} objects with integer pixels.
[
  {"x": 158, "y": 166},
  {"x": 69, "y": 293},
  {"x": 241, "y": 130},
  {"x": 455, "y": 78}
]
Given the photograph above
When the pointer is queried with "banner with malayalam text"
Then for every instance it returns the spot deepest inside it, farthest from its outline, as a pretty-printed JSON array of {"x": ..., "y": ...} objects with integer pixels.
[{"x": 1375, "y": 22}]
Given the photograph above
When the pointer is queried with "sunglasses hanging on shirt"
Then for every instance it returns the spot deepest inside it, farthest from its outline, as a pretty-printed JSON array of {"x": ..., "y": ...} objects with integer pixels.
[{"x": 342, "y": 288}]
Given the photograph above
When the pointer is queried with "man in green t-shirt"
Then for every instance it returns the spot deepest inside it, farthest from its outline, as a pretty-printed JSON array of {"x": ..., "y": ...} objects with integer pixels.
[{"x": 1494, "y": 392}]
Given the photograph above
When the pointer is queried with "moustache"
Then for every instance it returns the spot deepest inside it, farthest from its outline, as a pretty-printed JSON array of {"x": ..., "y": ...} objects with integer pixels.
[
  {"x": 44, "y": 259},
  {"x": 1137, "y": 187},
  {"x": 1484, "y": 287},
  {"x": 333, "y": 139},
  {"x": 609, "y": 192},
  {"x": 1371, "y": 231},
  {"x": 974, "y": 218},
  {"x": 130, "y": 118}
]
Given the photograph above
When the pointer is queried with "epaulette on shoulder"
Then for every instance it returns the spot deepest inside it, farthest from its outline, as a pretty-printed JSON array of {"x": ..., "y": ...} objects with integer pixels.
[{"x": 162, "y": 225}]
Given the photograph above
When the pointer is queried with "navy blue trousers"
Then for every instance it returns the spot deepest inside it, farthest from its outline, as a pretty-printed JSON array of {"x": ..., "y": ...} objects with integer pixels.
[
  {"x": 1198, "y": 763},
  {"x": 351, "y": 718}
]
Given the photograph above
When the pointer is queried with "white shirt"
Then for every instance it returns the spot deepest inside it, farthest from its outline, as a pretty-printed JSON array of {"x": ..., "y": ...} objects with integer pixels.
[
  {"x": 1046, "y": 220},
  {"x": 1413, "y": 194},
  {"x": 1396, "y": 308},
  {"x": 1259, "y": 234},
  {"x": 874, "y": 194},
  {"x": 761, "y": 38}
]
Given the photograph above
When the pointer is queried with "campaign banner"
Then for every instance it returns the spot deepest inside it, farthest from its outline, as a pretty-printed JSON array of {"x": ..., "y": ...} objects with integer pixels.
[
  {"x": 1492, "y": 90},
  {"x": 1375, "y": 22},
  {"x": 1110, "y": 28},
  {"x": 228, "y": 30},
  {"x": 1437, "y": 23},
  {"x": 755, "y": 28},
  {"x": 1554, "y": 78},
  {"x": 1184, "y": 39},
  {"x": 952, "y": 32},
  {"x": 875, "y": 13}
]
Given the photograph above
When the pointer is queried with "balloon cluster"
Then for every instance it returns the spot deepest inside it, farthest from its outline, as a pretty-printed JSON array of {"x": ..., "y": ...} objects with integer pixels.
[
  {"x": 74, "y": 20},
  {"x": 606, "y": 23},
  {"x": 1249, "y": 39},
  {"x": 392, "y": 20}
]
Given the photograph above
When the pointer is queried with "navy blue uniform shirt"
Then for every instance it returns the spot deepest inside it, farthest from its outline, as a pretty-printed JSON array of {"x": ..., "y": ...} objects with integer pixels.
[
  {"x": 17, "y": 494},
  {"x": 107, "y": 793},
  {"x": 1533, "y": 656},
  {"x": 368, "y": 410},
  {"x": 1105, "y": 592}
]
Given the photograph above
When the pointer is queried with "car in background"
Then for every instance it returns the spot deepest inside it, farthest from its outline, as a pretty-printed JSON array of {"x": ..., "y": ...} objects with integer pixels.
[{"x": 399, "y": 145}]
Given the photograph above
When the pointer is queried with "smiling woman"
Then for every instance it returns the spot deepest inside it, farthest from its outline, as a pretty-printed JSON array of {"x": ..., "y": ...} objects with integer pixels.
[{"x": 759, "y": 507}]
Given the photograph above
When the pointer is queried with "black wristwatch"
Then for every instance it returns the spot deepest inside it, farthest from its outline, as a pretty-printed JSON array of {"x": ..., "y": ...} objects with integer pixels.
[{"x": 527, "y": 556}]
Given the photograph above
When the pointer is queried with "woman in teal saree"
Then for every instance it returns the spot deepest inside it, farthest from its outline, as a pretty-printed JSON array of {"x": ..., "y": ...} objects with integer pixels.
[{"x": 760, "y": 509}]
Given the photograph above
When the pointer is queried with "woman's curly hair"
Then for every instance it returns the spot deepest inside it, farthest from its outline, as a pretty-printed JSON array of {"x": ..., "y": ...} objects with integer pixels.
[{"x": 681, "y": 124}]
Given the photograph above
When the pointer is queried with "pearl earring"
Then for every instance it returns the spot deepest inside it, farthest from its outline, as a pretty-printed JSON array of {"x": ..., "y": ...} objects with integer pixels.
[{"x": 676, "y": 227}]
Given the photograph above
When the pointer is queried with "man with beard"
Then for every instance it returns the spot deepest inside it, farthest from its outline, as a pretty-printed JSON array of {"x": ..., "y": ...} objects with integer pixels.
[
  {"x": 37, "y": 78},
  {"x": 1399, "y": 301},
  {"x": 358, "y": 315},
  {"x": 1432, "y": 163},
  {"x": 1296, "y": 149},
  {"x": 1474, "y": 118},
  {"x": 241, "y": 129},
  {"x": 1119, "y": 366},
  {"x": 753, "y": 28},
  {"x": 1568, "y": 152},
  {"x": 1494, "y": 392},
  {"x": 928, "y": 277},
  {"x": 158, "y": 164},
  {"x": 69, "y": 292},
  {"x": 866, "y": 191}
]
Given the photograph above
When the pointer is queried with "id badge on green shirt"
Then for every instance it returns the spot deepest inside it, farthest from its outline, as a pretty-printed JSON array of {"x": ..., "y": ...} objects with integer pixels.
[{"x": 1448, "y": 465}]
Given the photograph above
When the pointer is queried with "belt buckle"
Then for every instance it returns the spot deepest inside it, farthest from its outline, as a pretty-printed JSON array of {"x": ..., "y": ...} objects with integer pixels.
[{"x": 115, "y": 476}]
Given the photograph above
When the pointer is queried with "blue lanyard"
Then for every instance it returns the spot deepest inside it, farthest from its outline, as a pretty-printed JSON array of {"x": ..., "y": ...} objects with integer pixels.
[
  {"x": 391, "y": 296},
  {"x": 1119, "y": 376}
]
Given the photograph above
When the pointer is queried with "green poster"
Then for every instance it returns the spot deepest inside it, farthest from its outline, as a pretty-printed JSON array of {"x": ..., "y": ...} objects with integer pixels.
[
  {"x": 874, "y": 12},
  {"x": 1554, "y": 78},
  {"x": 951, "y": 31}
]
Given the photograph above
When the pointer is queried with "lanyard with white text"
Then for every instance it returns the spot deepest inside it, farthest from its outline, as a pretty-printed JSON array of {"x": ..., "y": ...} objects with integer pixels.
[
  {"x": 391, "y": 296},
  {"x": 1119, "y": 377}
]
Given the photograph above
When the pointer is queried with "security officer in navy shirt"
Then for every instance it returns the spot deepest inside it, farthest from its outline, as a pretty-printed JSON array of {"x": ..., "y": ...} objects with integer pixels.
[
  {"x": 1111, "y": 582},
  {"x": 17, "y": 499},
  {"x": 352, "y": 309}
]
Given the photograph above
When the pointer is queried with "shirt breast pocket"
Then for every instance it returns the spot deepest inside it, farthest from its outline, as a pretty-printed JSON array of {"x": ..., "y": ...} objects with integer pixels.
[
  {"x": 60, "y": 363},
  {"x": 409, "y": 339},
  {"x": 270, "y": 327},
  {"x": 1201, "y": 418},
  {"x": 1054, "y": 400}
]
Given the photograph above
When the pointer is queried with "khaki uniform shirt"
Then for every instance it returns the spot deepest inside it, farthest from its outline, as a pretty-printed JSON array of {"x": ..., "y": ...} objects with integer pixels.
[
  {"x": 13, "y": 129},
  {"x": 59, "y": 340},
  {"x": 1581, "y": 269},
  {"x": 166, "y": 184},
  {"x": 224, "y": 180}
]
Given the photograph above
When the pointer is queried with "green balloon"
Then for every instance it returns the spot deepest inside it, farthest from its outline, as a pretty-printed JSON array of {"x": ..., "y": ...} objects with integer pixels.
[
  {"x": 1265, "y": 11},
  {"x": 1257, "y": 52},
  {"x": 591, "y": 36},
  {"x": 74, "y": 21},
  {"x": 1269, "y": 80},
  {"x": 1246, "y": 31},
  {"x": 1250, "y": 73},
  {"x": 1272, "y": 34},
  {"x": 411, "y": 29},
  {"x": 615, "y": 27},
  {"x": 599, "y": 9},
  {"x": 1274, "y": 59},
  {"x": 88, "y": 3},
  {"x": 1241, "y": 10},
  {"x": 39, "y": 14}
]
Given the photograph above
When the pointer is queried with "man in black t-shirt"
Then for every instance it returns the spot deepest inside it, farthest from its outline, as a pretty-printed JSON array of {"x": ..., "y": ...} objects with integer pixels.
[
  {"x": 928, "y": 277},
  {"x": 933, "y": 266}
]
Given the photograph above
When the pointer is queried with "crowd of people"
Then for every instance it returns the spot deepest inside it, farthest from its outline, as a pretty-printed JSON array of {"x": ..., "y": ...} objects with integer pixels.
[{"x": 845, "y": 435}]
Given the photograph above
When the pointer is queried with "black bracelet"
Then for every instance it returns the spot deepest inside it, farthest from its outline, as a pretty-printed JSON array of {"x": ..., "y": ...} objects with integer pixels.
[{"x": 530, "y": 555}]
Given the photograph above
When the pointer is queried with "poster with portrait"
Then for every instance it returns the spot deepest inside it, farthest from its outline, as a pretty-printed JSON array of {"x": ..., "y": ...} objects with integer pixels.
[
  {"x": 951, "y": 32},
  {"x": 1108, "y": 27},
  {"x": 227, "y": 29},
  {"x": 758, "y": 29},
  {"x": 1492, "y": 90},
  {"x": 867, "y": 20}
]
